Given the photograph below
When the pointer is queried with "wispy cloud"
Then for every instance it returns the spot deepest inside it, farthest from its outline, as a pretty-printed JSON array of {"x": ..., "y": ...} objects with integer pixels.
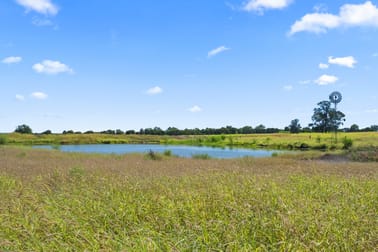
[
  {"x": 41, "y": 6},
  {"x": 261, "y": 5},
  {"x": 195, "y": 109},
  {"x": 217, "y": 50},
  {"x": 52, "y": 67},
  {"x": 12, "y": 60},
  {"x": 20, "y": 97},
  {"x": 39, "y": 95},
  {"x": 375, "y": 55},
  {"x": 154, "y": 90},
  {"x": 42, "y": 22},
  {"x": 288, "y": 87},
  {"x": 305, "y": 82},
  {"x": 326, "y": 80},
  {"x": 323, "y": 66},
  {"x": 349, "y": 61},
  {"x": 350, "y": 15}
]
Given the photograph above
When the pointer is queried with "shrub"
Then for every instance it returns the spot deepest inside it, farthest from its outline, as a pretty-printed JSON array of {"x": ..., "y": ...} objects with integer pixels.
[
  {"x": 201, "y": 156},
  {"x": 347, "y": 143},
  {"x": 153, "y": 155},
  {"x": 3, "y": 140},
  {"x": 167, "y": 153}
]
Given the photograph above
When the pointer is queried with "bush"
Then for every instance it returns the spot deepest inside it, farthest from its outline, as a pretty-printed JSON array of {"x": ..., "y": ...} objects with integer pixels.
[
  {"x": 153, "y": 155},
  {"x": 3, "y": 140},
  {"x": 201, "y": 156},
  {"x": 347, "y": 143},
  {"x": 167, "y": 153}
]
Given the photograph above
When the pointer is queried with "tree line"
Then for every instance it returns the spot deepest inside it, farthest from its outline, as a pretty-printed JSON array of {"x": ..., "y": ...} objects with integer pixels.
[{"x": 324, "y": 119}]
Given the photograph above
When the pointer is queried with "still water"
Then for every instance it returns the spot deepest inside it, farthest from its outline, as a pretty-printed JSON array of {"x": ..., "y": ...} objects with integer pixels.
[{"x": 178, "y": 150}]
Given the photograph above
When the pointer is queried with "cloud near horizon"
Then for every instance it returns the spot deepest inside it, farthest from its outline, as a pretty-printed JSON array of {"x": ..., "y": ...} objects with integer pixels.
[
  {"x": 45, "y": 7},
  {"x": 261, "y": 5},
  {"x": 326, "y": 80},
  {"x": 12, "y": 60},
  {"x": 52, "y": 67},
  {"x": 154, "y": 90},
  {"x": 350, "y": 15},
  {"x": 217, "y": 50}
]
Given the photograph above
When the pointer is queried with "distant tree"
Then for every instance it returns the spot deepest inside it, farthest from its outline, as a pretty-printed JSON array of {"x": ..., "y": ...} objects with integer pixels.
[
  {"x": 65, "y": 132},
  {"x": 374, "y": 127},
  {"x": 172, "y": 131},
  {"x": 89, "y": 132},
  {"x": 46, "y": 132},
  {"x": 294, "y": 126},
  {"x": 260, "y": 129},
  {"x": 354, "y": 128},
  {"x": 306, "y": 129},
  {"x": 246, "y": 130},
  {"x": 130, "y": 132},
  {"x": 325, "y": 118},
  {"x": 119, "y": 132},
  {"x": 23, "y": 129}
]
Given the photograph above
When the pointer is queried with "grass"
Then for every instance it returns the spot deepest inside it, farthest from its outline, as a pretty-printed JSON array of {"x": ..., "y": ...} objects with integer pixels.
[
  {"x": 303, "y": 141},
  {"x": 53, "y": 201}
]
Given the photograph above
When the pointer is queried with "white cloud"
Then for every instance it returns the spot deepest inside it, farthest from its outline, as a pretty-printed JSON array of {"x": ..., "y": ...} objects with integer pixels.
[
  {"x": 261, "y": 5},
  {"x": 154, "y": 90},
  {"x": 20, "y": 97},
  {"x": 288, "y": 87},
  {"x": 326, "y": 80},
  {"x": 375, "y": 55},
  {"x": 39, "y": 95},
  {"x": 52, "y": 67},
  {"x": 350, "y": 15},
  {"x": 12, "y": 60},
  {"x": 41, "y": 6},
  {"x": 195, "y": 109},
  {"x": 349, "y": 61},
  {"x": 323, "y": 66},
  {"x": 217, "y": 51}
]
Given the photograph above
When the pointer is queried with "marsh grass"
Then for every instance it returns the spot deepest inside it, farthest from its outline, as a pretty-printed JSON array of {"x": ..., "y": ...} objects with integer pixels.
[
  {"x": 303, "y": 141},
  {"x": 52, "y": 201}
]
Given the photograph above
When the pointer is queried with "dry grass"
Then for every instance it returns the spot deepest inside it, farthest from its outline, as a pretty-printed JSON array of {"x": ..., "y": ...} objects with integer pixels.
[{"x": 53, "y": 201}]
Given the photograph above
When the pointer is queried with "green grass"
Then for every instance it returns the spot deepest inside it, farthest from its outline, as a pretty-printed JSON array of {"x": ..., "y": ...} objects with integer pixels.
[
  {"x": 303, "y": 141},
  {"x": 52, "y": 201}
]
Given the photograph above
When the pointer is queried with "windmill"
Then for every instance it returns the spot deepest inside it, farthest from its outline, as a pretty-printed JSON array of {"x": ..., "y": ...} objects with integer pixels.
[{"x": 335, "y": 98}]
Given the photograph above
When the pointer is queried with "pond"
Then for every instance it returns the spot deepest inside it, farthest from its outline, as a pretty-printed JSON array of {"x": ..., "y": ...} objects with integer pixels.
[{"x": 178, "y": 150}]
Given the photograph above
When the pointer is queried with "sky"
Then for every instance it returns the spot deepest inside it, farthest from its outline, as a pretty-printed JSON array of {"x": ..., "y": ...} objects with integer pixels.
[{"x": 124, "y": 64}]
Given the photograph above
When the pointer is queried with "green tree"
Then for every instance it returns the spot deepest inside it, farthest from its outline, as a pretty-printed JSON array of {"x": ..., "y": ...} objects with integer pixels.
[
  {"x": 294, "y": 126},
  {"x": 354, "y": 128},
  {"x": 23, "y": 129},
  {"x": 325, "y": 118}
]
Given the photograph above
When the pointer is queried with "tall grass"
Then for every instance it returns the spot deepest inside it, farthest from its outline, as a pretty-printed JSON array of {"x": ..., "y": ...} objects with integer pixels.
[{"x": 53, "y": 201}]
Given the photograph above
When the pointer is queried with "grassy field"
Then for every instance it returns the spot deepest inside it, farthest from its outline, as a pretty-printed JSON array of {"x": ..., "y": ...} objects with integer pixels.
[
  {"x": 53, "y": 201},
  {"x": 272, "y": 141}
]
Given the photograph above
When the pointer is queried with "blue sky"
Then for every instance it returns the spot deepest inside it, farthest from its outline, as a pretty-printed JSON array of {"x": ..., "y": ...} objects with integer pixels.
[{"x": 97, "y": 65}]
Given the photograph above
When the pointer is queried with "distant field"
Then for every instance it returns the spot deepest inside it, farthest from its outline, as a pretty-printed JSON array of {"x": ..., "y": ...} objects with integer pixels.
[
  {"x": 271, "y": 141},
  {"x": 53, "y": 201}
]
